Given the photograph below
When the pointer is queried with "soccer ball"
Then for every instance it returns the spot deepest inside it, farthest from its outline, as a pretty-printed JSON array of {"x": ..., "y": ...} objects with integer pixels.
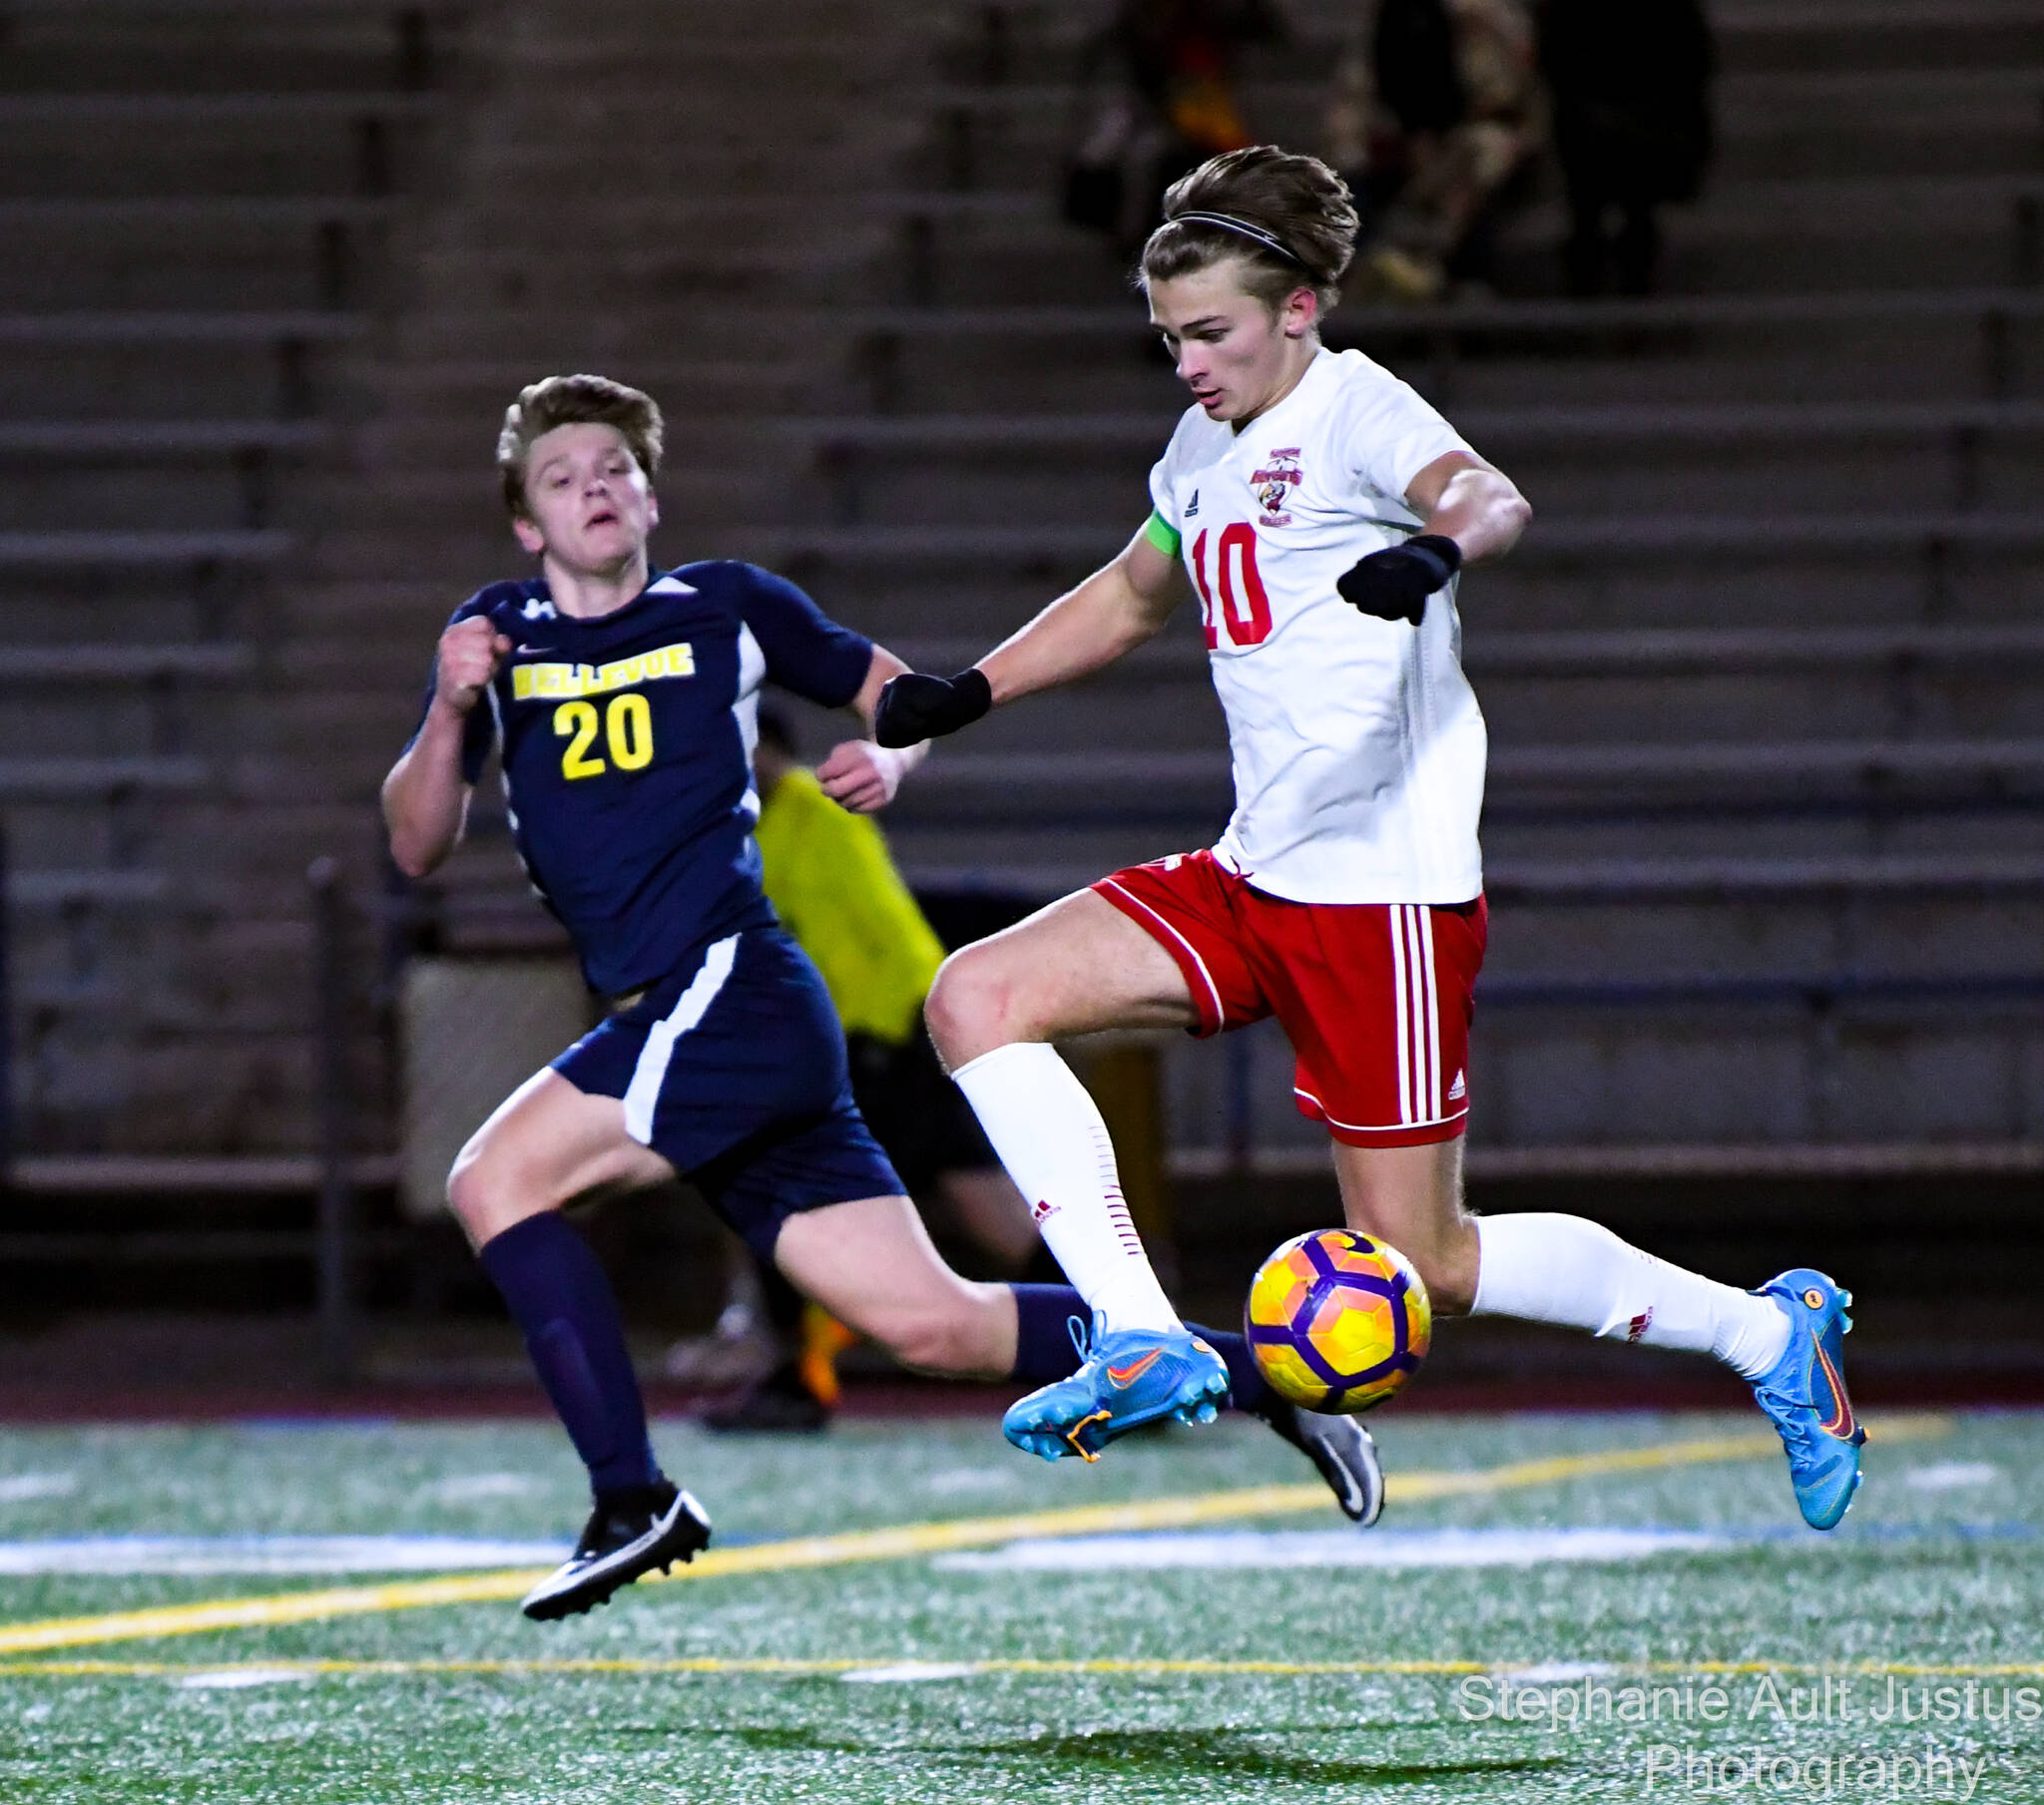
[{"x": 1339, "y": 1320}]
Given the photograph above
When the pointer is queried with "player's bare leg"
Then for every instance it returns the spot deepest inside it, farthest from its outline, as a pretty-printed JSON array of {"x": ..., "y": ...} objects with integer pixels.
[
  {"x": 544, "y": 1145},
  {"x": 1544, "y": 1269},
  {"x": 1412, "y": 1196},
  {"x": 871, "y": 1265},
  {"x": 1570, "y": 1271},
  {"x": 1076, "y": 966}
]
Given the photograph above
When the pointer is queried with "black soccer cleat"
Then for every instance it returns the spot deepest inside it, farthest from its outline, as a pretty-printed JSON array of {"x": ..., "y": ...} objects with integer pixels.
[
  {"x": 1344, "y": 1451},
  {"x": 630, "y": 1532}
]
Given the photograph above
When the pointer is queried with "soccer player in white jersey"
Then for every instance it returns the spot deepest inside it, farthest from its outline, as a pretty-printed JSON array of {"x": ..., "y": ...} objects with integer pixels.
[{"x": 1320, "y": 512}]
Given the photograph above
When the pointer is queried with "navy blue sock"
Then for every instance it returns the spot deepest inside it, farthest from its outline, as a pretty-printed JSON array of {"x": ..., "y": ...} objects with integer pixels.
[
  {"x": 558, "y": 1292},
  {"x": 1044, "y": 1351},
  {"x": 1246, "y": 1387}
]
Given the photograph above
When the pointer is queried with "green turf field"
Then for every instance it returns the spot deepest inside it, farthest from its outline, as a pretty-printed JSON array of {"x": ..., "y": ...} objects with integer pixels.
[{"x": 1616, "y": 1608}]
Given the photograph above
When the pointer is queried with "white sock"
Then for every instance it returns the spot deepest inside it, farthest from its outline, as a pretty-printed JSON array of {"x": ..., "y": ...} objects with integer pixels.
[
  {"x": 1564, "y": 1269},
  {"x": 1049, "y": 1135}
]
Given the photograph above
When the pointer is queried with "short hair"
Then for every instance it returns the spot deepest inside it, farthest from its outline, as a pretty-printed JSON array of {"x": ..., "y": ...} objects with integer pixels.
[
  {"x": 1295, "y": 201},
  {"x": 574, "y": 401}
]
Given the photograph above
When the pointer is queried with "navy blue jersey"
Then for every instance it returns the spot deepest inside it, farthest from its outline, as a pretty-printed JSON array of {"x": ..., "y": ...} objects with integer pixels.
[{"x": 626, "y": 745}]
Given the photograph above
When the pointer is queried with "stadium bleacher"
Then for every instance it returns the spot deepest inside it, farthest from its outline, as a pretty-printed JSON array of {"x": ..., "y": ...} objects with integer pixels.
[
  {"x": 195, "y": 194},
  {"x": 1768, "y": 657},
  {"x": 1765, "y": 749}
]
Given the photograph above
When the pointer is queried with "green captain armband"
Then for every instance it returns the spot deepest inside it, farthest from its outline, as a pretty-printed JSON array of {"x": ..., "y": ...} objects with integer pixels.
[{"x": 1162, "y": 533}]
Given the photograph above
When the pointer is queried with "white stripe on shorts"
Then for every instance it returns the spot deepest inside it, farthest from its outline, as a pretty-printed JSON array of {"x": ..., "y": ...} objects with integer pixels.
[
  {"x": 1395, "y": 915},
  {"x": 642, "y": 1094},
  {"x": 1422, "y": 917},
  {"x": 1416, "y": 978}
]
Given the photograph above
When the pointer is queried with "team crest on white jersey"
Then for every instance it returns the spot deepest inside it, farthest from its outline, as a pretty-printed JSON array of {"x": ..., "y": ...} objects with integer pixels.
[{"x": 1273, "y": 483}]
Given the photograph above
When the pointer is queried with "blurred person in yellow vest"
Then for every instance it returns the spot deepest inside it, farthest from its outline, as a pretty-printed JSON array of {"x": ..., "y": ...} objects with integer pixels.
[{"x": 836, "y": 888}]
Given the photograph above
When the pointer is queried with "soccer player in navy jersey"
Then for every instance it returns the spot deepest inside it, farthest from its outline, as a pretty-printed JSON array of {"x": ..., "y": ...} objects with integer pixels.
[{"x": 622, "y": 701}]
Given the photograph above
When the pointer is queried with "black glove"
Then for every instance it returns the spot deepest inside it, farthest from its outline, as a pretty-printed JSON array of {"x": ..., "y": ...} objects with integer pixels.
[
  {"x": 1395, "y": 584},
  {"x": 916, "y": 707}
]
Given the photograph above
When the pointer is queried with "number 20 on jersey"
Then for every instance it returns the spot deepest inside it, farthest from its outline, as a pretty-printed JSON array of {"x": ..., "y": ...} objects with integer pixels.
[
  {"x": 627, "y": 727},
  {"x": 1245, "y": 607}
]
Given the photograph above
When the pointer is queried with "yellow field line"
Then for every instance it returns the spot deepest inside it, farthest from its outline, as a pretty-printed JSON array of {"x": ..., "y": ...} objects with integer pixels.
[
  {"x": 628, "y": 1666},
  {"x": 900, "y": 1542}
]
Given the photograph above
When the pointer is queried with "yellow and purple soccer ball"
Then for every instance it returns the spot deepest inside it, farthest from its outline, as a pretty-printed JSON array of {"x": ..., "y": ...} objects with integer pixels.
[{"x": 1339, "y": 1320}]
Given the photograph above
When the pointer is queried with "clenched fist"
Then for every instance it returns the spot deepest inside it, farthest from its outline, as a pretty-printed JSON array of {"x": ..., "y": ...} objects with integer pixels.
[
  {"x": 916, "y": 706},
  {"x": 1394, "y": 584},
  {"x": 861, "y": 776},
  {"x": 466, "y": 664}
]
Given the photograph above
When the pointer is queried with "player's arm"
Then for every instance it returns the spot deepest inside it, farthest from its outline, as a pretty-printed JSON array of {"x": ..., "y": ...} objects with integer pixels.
[
  {"x": 1468, "y": 512},
  {"x": 1460, "y": 497},
  {"x": 425, "y": 798},
  {"x": 1113, "y": 612},
  {"x": 860, "y": 775}
]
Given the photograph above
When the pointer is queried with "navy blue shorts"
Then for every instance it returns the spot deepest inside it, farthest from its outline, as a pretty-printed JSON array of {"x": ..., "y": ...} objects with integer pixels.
[{"x": 731, "y": 1068}]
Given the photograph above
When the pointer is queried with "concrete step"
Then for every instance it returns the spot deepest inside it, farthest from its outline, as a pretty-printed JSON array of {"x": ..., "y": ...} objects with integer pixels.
[
  {"x": 1048, "y": 858},
  {"x": 1042, "y": 43},
  {"x": 837, "y": 264},
  {"x": 229, "y": 49},
  {"x": 190, "y": 254},
  {"x": 1016, "y": 787},
  {"x": 1935, "y": 121},
  {"x": 1521, "y": 593},
  {"x": 173, "y": 1092},
  {"x": 1708, "y": 688},
  {"x": 1782, "y": 347},
  {"x": 156, "y": 552},
  {"x": 42, "y": 722},
  {"x": 59, "y": 608},
  {"x": 907, "y": 470},
  {"x": 1589, "y": 572},
  {"x": 1754, "y": 1074},
  {"x": 463, "y": 389},
  {"x": 989, "y": 247},
  {"x": 150, "y": 364},
  {"x": 128, "y": 146}
]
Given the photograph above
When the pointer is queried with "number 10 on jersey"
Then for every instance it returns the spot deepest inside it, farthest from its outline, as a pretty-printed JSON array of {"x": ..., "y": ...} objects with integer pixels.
[{"x": 1236, "y": 576}]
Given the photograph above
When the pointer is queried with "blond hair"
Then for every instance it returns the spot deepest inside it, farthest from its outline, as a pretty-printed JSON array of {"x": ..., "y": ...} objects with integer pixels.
[
  {"x": 574, "y": 401},
  {"x": 1288, "y": 217}
]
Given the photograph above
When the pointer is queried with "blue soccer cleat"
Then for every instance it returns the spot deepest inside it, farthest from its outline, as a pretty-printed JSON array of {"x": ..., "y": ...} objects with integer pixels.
[
  {"x": 1128, "y": 1378},
  {"x": 1805, "y": 1394}
]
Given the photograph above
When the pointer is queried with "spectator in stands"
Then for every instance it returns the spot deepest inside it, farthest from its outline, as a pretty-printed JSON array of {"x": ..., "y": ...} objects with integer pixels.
[
  {"x": 1171, "y": 105},
  {"x": 1631, "y": 85},
  {"x": 832, "y": 881},
  {"x": 1434, "y": 124}
]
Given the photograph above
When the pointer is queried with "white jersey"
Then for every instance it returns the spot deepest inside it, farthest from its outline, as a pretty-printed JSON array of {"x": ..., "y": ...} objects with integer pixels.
[{"x": 1357, "y": 745}]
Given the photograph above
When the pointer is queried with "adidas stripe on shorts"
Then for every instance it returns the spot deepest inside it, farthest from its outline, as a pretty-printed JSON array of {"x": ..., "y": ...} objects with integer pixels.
[{"x": 1375, "y": 998}]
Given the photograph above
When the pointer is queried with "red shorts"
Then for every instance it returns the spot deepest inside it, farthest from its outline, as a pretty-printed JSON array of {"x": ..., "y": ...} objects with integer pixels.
[{"x": 1376, "y": 997}]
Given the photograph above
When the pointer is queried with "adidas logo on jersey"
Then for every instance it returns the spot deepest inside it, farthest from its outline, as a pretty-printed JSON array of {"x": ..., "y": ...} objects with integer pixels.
[{"x": 1192, "y": 505}]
